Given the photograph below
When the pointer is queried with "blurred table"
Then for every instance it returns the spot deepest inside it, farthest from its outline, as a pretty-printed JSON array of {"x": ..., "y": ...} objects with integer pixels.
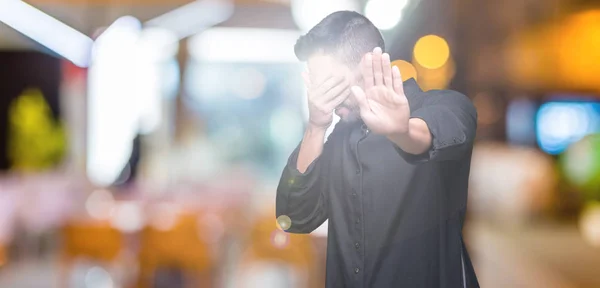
[{"x": 544, "y": 255}]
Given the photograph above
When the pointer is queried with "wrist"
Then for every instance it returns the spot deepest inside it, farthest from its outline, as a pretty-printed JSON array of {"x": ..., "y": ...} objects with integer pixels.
[
  {"x": 401, "y": 134},
  {"x": 399, "y": 137},
  {"x": 313, "y": 128},
  {"x": 415, "y": 139}
]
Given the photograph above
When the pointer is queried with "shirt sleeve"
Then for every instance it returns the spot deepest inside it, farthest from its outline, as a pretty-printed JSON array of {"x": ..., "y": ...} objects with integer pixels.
[
  {"x": 301, "y": 198},
  {"x": 452, "y": 122}
]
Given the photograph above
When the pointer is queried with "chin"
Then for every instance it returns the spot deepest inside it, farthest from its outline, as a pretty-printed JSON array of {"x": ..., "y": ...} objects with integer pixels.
[{"x": 347, "y": 115}]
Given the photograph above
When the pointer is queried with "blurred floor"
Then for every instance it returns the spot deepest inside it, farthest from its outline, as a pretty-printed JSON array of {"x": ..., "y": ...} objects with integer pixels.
[
  {"x": 548, "y": 256},
  {"x": 41, "y": 273},
  {"x": 544, "y": 256}
]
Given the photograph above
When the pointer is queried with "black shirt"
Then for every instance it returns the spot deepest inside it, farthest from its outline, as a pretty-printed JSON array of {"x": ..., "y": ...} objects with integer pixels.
[{"x": 395, "y": 219}]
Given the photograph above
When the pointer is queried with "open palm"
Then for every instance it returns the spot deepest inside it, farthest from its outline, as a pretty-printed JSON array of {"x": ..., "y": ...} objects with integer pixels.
[{"x": 383, "y": 104}]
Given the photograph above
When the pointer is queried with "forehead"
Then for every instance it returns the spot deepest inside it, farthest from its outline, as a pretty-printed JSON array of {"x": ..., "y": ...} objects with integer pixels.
[{"x": 321, "y": 66}]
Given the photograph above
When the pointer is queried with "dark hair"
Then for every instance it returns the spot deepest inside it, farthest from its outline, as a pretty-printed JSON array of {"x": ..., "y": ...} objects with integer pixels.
[{"x": 346, "y": 35}]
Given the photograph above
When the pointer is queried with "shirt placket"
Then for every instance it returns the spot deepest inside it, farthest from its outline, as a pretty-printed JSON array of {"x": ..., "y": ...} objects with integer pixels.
[{"x": 357, "y": 222}]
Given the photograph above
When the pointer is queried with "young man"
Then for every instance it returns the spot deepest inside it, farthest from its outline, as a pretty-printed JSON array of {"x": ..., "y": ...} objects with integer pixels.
[{"x": 392, "y": 176}]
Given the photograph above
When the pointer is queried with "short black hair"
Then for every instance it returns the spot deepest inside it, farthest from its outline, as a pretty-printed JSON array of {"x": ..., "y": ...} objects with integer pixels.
[{"x": 347, "y": 35}]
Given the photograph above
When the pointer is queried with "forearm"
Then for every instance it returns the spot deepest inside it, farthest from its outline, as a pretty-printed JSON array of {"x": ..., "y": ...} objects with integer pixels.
[
  {"x": 299, "y": 193},
  {"x": 311, "y": 147},
  {"x": 416, "y": 140}
]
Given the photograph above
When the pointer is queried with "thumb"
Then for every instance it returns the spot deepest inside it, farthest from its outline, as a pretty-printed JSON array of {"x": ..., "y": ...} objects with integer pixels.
[
  {"x": 361, "y": 98},
  {"x": 365, "y": 109}
]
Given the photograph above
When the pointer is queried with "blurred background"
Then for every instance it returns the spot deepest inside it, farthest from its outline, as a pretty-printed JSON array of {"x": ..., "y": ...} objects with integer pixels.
[{"x": 141, "y": 141}]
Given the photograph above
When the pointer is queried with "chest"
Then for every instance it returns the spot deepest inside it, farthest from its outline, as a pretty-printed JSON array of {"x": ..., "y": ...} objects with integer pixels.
[{"x": 367, "y": 164}]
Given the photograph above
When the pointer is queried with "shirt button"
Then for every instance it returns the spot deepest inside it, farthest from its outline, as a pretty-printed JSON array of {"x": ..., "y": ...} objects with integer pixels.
[
  {"x": 357, "y": 245},
  {"x": 357, "y": 221},
  {"x": 353, "y": 194},
  {"x": 356, "y": 270},
  {"x": 357, "y": 171}
]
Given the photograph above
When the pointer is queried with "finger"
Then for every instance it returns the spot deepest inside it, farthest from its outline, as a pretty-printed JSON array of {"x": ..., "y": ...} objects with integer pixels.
[
  {"x": 306, "y": 79},
  {"x": 361, "y": 98},
  {"x": 386, "y": 66},
  {"x": 328, "y": 84},
  {"x": 334, "y": 92},
  {"x": 377, "y": 71},
  {"x": 339, "y": 99},
  {"x": 367, "y": 70},
  {"x": 397, "y": 79},
  {"x": 366, "y": 113}
]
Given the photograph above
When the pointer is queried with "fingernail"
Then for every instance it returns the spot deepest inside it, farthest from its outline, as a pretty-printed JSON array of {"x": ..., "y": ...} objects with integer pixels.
[
  {"x": 377, "y": 50},
  {"x": 396, "y": 69}
]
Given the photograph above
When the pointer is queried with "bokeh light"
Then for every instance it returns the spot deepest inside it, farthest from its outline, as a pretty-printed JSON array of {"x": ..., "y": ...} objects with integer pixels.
[
  {"x": 407, "y": 70},
  {"x": 560, "y": 55},
  {"x": 589, "y": 224},
  {"x": 307, "y": 13},
  {"x": 98, "y": 277},
  {"x": 577, "y": 50},
  {"x": 280, "y": 239},
  {"x": 284, "y": 222},
  {"x": 581, "y": 165},
  {"x": 163, "y": 216},
  {"x": 431, "y": 51},
  {"x": 128, "y": 216},
  {"x": 438, "y": 78},
  {"x": 561, "y": 123},
  {"x": 385, "y": 14},
  {"x": 100, "y": 204}
]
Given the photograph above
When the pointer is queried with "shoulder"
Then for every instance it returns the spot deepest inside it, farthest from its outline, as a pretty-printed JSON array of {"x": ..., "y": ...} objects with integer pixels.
[
  {"x": 450, "y": 99},
  {"x": 437, "y": 96}
]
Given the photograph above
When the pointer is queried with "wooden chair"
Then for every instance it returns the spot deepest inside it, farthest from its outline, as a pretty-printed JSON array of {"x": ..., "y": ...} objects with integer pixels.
[
  {"x": 268, "y": 243},
  {"x": 179, "y": 246},
  {"x": 96, "y": 241},
  {"x": 3, "y": 255}
]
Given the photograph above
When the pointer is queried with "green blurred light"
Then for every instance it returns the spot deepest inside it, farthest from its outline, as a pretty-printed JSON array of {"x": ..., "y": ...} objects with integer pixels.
[{"x": 581, "y": 166}]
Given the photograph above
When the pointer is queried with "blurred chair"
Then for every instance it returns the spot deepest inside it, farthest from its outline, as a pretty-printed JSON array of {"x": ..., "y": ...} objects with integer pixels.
[
  {"x": 176, "y": 247},
  {"x": 3, "y": 255},
  {"x": 273, "y": 249},
  {"x": 97, "y": 241}
]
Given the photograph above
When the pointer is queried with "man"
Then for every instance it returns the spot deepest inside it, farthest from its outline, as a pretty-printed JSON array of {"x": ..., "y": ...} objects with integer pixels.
[{"x": 392, "y": 176}]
